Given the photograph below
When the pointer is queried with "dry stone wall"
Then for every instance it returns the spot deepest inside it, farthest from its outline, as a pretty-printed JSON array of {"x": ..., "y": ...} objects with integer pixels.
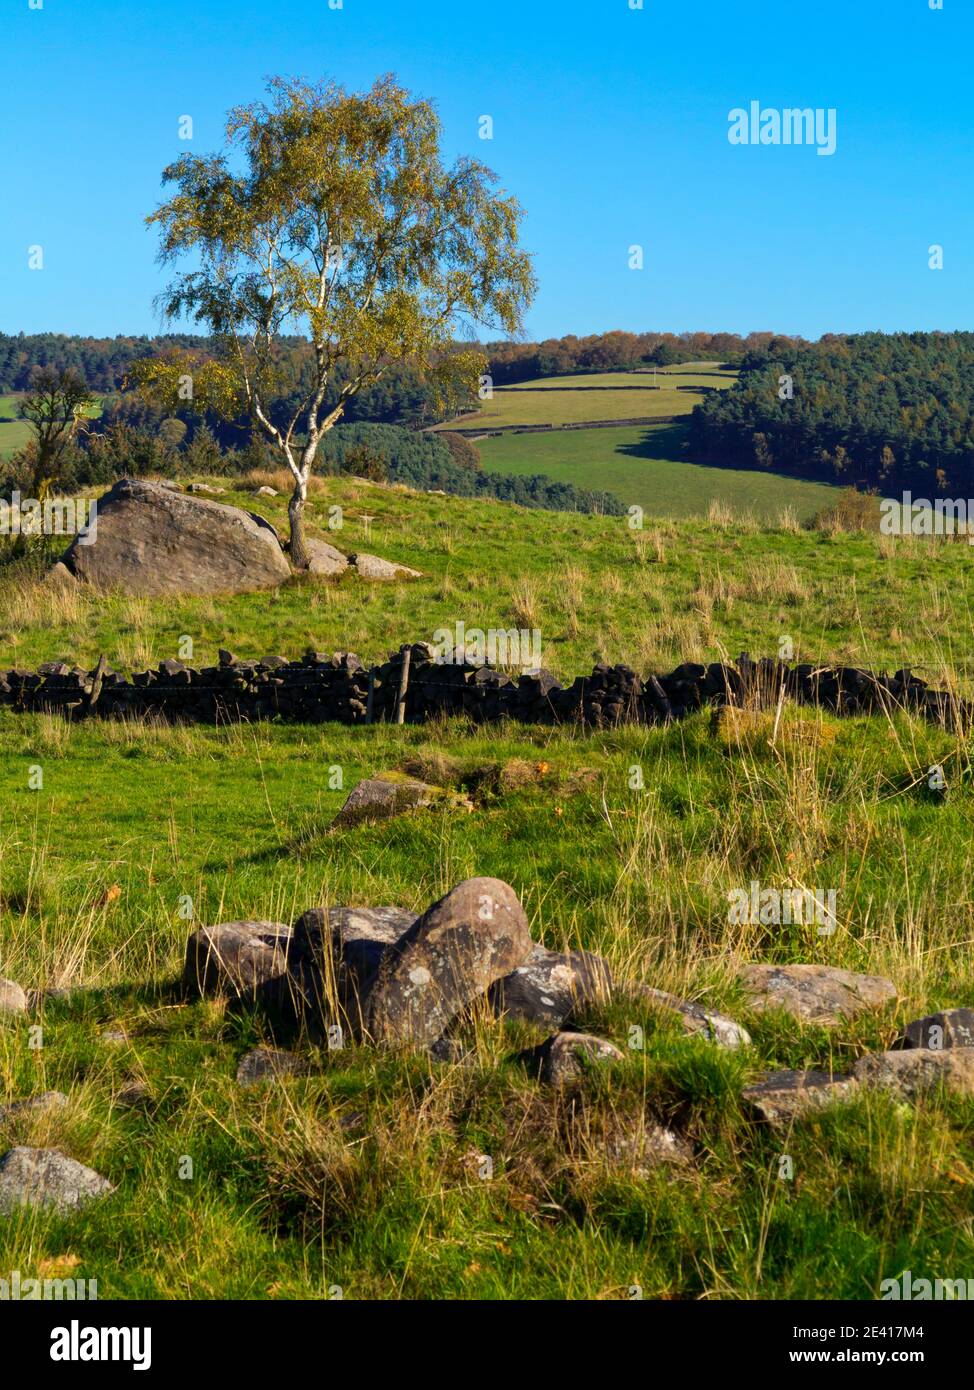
[{"x": 321, "y": 687}]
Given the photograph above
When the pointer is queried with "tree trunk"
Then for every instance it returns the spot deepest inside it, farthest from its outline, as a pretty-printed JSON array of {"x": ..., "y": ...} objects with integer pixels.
[{"x": 295, "y": 515}]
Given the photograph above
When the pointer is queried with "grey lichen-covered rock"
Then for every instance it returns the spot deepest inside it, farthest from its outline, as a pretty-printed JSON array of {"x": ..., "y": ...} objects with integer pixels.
[
  {"x": 13, "y": 1000},
  {"x": 470, "y": 938},
  {"x": 565, "y": 1057},
  {"x": 784, "y": 1096},
  {"x": 381, "y": 798},
  {"x": 333, "y": 958},
  {"x": 235, "y": 958},
  {"x": 695, "y": 1018},
  {"x": 268, "y": 1064},
  {"x": 324, "y": 559},
  {"x": 551, "y": 986},
  {"x": 819, "y": 994},
  {"x": 372, "y": 567},
  {"x": 376, "y": 798},
  {"x": 47, "y": 1100},
  {"x": 151, "y": 540},
  {"x": 47, "y": 1178},
  {"x": 951, "y": 1028},
  {"x": 917, "y": 1071}
]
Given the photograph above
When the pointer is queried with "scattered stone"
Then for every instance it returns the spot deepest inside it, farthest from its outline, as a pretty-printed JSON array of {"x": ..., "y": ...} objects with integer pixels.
[
  {"x": 951, "y": 1028},
  {"x": 268, "y": 1064},
  {"x": 235, "y": 958},
  {"x": 564, "y": 1057},
  {"x": 47, "y": 1100},
  {"x": 372, "y": 567},
  {"x": 638, "y": 1146},
  {"x": 205, "y": 490},
  {"x": 13, "y": 1000},
  {"x": 266, "y": 491},
  {"x": 47, "y": 1178},
  {"x": 381, "y": 798},
  {"x": 134, "y": 1095},
  {"x": 60, "y": 577},
  {"x": 451, "y": 1052},
  {"x": 783, "y": 1096},
  {"x": 815, "y": 993},
  {"x": 697, "y": 1020},
  {"x": 915, "y": 1071},
  {"x": 324, "y": 559},
  {"x": 155, "y": 541},
  {"x": 551, "y": 985},
  {"x": 114, "y": 1035},
  {"x": 473, "y": 936}
]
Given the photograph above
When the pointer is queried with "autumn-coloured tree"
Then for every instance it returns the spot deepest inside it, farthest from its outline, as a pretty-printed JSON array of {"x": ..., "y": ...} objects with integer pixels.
[
  {"x": 331, "y": 215},
  {"x": 53, "y": 406}
]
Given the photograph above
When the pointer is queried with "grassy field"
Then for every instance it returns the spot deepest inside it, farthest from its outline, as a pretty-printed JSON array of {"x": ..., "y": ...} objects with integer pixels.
[
  {"x": 598, "y": 396},
  {"x": 363, "y": 1175},
  {"x": 645, "y": 465},
  {"x": 676, "y": 590},
  {"x": 14, "y": 433}
]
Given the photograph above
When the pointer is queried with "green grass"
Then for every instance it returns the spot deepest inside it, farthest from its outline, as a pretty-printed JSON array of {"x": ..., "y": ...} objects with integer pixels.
[
  {"x": 596, "y": 590},
  {"x": 363, "y": 1175},
  {"x": 646, "y": 466},
  {"x": 559, "y": 401}
]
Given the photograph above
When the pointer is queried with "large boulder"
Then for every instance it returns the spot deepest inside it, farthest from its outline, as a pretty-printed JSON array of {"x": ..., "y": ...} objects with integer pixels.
[
  {"x": 151, "y": 540},
  {"x": 470, "y": 938},
  {"x": 47, "y": 1178}
]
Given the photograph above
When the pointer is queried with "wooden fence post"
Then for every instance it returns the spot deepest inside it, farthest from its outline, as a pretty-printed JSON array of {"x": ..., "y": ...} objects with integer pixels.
[{"x": 403, "y": 686}]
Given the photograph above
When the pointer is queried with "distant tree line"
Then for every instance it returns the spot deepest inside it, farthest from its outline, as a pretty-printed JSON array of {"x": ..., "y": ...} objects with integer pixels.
[
  {"x": 401, "y": 397},
  {"x": 872, "y": 410},
  {"x": 619, "y": 351}
]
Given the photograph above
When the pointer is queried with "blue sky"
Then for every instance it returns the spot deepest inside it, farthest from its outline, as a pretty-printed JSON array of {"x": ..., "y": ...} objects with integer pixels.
[{"x": 610, "y": 126}]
